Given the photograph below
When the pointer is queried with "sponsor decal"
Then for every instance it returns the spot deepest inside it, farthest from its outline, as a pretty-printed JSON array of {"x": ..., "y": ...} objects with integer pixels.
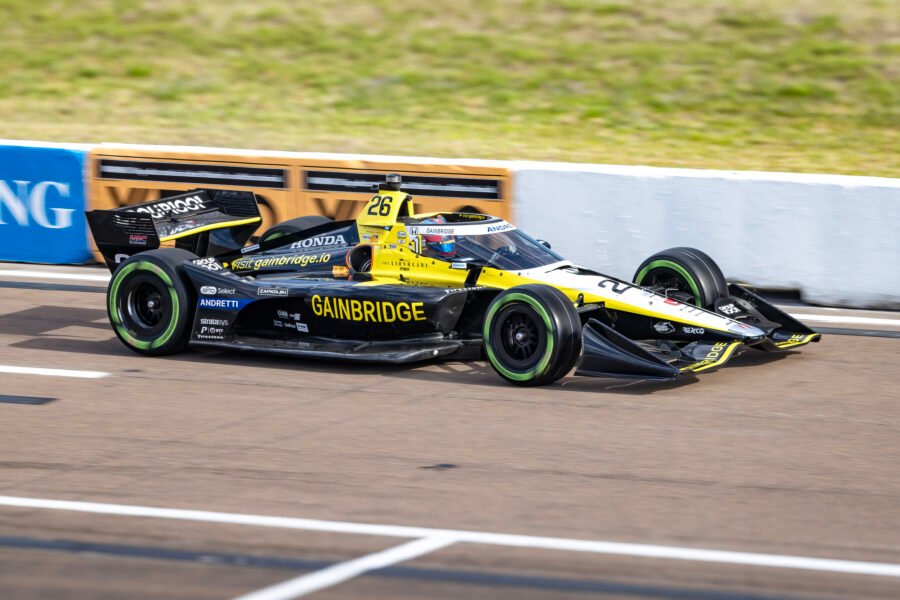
[
  {"x": 137, "y": 240},
  {"x": 369, "y": 238},
  {"x": 367, "y": 311},
  {"x": 729, "y": 309},
  {"x": 222, "y": 303},
  {"x": 256, "y": 263},
  {"x": 499, "y": 228},
  {"x": 437, "y": 230},
  {"x": 716, "y": 351},
  {"x": 302, "y": 327},
  {"x": 694, "y": 330},
  {"x": 212, "y": 338},
  {"x": 317, "y": 242},
  {"x": 664, "y": 327},
  {"x": 401, "y": 236},
  {"x": 206, "y": 331},
  {"x": 208, "y": 263},
  {"x": 218, "y": 322},
  {"x": 250, "y": 249},
  {"x": 282, "y": 314},
  {"x": 278, "y": 323},
  {"x": 211, "y": 290},
  {"x": 273, "y": 291},
  {"x": 165, "y": 208}
]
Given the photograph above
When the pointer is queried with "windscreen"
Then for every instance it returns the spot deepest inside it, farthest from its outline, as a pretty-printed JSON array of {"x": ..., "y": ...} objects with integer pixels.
[{"x": 508, "y": 250}]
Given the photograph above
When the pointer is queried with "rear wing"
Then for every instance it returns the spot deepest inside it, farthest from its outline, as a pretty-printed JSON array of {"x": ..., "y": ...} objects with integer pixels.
[{"x": 206, "y": 222}]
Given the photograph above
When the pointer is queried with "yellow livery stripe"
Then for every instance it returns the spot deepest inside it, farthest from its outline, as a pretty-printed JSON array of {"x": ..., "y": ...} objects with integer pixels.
[
  {"x": 210, "y": 227},
  {"x": 798, "y": 340},
  {"x": 718, "y": 355}
]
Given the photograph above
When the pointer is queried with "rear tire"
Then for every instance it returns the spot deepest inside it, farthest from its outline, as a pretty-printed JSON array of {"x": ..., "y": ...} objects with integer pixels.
[
  {"x": 292, "y": 226},
  {"x": 150, "y": 302},
  {"x": 689, "y": 271},
  {"x": 532, "y": 335}
]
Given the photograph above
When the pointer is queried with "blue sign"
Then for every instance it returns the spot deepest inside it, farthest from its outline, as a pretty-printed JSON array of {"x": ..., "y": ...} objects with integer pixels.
[{"x": 42, "y": 204}]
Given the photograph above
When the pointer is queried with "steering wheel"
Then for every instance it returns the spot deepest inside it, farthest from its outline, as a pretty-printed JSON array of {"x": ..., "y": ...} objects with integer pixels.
[{"x": 508, "y": 250}]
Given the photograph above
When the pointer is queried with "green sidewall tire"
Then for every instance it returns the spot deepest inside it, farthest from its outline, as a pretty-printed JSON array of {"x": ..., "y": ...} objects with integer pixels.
[
  {"x": 292, "y": 226},
  {"x": 161, "y": 268},
  {"x": 561, "y": 334},
  {"x": 701, "y": 274}
]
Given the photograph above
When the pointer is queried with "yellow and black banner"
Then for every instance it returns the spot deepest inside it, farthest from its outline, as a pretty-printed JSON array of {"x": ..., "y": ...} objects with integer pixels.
[{"x": 291, "y": 184}]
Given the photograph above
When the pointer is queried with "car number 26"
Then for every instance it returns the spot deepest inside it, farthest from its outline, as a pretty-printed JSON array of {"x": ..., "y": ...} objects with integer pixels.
[{"x": 380, "y": 205}]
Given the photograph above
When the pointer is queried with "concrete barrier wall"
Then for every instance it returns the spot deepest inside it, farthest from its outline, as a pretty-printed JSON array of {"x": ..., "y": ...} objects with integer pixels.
[{"x": 835, "y": 238}]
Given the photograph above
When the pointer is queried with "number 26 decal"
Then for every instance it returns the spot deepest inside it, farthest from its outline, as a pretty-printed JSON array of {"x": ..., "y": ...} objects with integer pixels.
[{"x": 380, "y": 205}]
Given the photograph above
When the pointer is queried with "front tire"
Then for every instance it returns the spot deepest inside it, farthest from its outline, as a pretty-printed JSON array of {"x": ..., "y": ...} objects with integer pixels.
[
  {"x": 692, "y": 275},
  {"x": 532, "y": 335},
  {"x": 150, "y": 302}
]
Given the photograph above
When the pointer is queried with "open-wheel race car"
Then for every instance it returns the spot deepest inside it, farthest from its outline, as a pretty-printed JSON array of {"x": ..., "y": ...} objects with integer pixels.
[{"x": 394, "y": 286}]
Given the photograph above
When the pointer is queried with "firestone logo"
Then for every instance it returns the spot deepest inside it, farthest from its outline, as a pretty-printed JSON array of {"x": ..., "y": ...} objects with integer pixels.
[{"x": 28, "y": 204}]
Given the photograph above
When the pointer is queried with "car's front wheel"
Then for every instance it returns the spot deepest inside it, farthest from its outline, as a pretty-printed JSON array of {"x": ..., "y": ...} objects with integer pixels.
[
  {"x": 685, "y": 274},
  {"x": 532, "y": 334},
  {"x": 150, "y": 302}
]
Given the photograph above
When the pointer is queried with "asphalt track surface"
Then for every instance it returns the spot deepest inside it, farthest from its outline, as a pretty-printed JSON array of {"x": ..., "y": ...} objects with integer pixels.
[{"x": 792, "y": 456}]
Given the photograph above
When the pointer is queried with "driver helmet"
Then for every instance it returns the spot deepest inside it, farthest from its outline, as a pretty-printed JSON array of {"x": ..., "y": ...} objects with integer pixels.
[{"x": 443, "y": 246}]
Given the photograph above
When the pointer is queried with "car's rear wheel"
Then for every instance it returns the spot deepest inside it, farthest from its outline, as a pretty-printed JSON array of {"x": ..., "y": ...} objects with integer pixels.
[
  {"x": 685, "y": 274},
  {"x": 532, "y": 334},
  {"x": 292, "y": 226},
  {"x": 150, "y": 302}
]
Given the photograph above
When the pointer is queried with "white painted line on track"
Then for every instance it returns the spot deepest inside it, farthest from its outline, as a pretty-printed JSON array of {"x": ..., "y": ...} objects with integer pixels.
[
  {"x": 104, "y": 277},
  {"x": 335, "y": 574},
  {"x": 849, "y": 320},
  {"x": 52, "y": 372},
  {"x": 474, "y": 537}
]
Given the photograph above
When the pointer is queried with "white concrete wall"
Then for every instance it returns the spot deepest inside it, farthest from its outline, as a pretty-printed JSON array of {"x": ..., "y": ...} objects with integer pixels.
[{"x": 835, "y": 238}]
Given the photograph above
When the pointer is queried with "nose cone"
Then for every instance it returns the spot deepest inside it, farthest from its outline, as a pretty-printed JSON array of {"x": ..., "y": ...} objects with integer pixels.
[{"x": 746, "y": 331}]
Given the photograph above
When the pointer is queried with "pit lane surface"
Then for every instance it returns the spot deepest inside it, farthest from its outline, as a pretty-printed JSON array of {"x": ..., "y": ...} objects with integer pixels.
[{"x": 787, "y": 456}]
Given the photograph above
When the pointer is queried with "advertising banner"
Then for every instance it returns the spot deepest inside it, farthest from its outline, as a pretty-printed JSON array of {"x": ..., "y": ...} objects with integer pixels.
[
  {"x": 122, "y": 175},
  {"x": 42, "y": 203},
  {"x": 293, "y": 184}
]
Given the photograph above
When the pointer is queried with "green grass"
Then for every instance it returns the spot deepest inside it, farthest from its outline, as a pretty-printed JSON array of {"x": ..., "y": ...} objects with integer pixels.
[{"x": 802, "y": 85}]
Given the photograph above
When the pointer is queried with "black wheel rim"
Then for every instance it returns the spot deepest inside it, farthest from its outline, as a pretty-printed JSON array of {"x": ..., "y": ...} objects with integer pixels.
[
  {"x": 670, "y": 283},
  {"x": 146, "y": 304},
  {"x": 520, "y": 336}
]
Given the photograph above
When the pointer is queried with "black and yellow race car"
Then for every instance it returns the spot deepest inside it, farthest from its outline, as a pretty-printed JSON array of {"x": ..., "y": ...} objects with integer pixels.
[{"x": 394, "y": 286}]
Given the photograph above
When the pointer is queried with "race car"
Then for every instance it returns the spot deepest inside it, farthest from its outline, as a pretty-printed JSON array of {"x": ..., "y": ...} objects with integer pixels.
[{"x": 399, "y": 287}]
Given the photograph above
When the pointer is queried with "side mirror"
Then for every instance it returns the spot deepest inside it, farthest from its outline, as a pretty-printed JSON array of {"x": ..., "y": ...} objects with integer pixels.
[{"x": 544, "y": 243}]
